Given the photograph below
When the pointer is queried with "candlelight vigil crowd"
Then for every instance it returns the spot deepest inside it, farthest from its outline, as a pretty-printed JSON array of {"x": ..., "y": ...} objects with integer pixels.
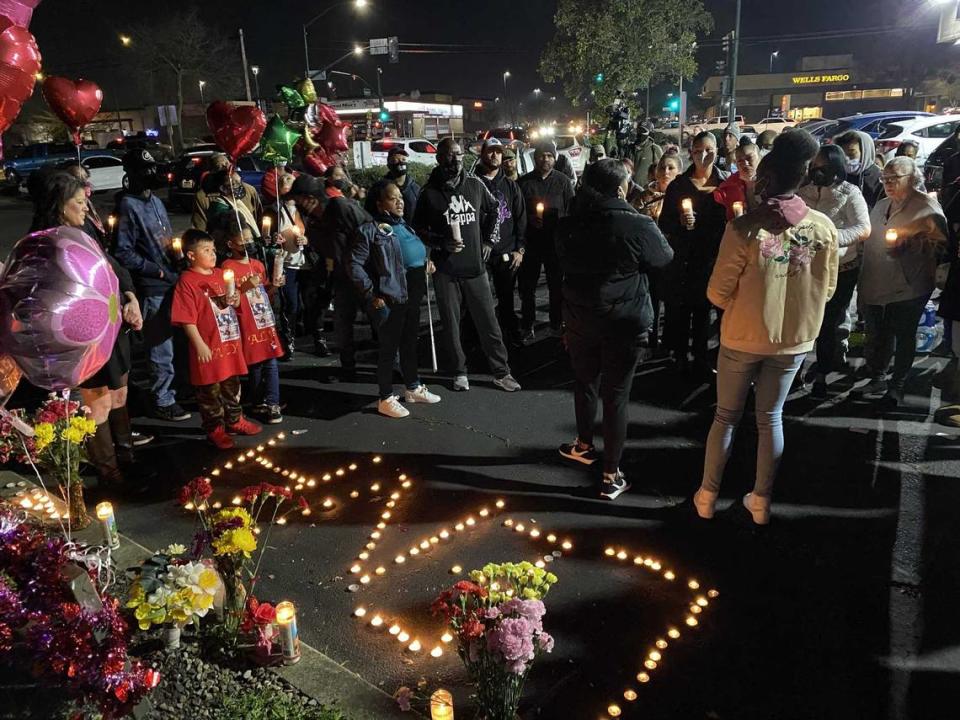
[{"x": 747, "y": 266}]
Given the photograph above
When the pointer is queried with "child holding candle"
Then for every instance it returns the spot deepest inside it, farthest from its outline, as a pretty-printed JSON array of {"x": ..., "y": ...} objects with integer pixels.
[
  {"x": 208, "y": 316},
  {"x": 261, "y": 344}
]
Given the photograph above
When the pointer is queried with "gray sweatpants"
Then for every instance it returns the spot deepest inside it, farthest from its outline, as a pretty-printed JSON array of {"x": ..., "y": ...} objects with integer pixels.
[{"x": 451, "y": 291}]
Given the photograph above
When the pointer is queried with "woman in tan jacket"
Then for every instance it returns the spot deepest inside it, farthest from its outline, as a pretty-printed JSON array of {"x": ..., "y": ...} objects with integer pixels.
[{"x": 776, "y": 269}]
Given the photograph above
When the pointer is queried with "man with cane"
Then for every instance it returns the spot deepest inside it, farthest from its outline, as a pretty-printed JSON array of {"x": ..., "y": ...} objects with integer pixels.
[{"x": 458, "y": 218}]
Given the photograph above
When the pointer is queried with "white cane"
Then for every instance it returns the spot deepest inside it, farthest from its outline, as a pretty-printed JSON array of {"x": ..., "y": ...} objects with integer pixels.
[{"x": 433, "y": 342}]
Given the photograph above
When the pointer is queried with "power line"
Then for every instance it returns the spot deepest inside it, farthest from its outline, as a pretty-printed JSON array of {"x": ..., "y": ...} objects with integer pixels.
[{"x": 824, "y": 35}]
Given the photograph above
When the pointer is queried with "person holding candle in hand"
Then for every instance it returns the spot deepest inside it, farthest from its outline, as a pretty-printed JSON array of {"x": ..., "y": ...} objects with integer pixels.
[
  {"x": 829, "y": 192},
  {"x": 207, "y": 313},
  {"x": 693, "y": 222},
  {"x": 736, "y": 193},
  {"x": 775, "y": 271},
  {"x": 259, "y": 339},
  {"x": 897, "y": 277}
]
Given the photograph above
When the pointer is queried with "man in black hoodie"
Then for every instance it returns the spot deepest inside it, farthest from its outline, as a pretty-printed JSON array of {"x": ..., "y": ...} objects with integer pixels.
[
  {"x": 397, "y": 172},
  {"x": 548, "y": 194},
  {"x": 508, "y": 248},
  {"x": 457, "y": 217}
]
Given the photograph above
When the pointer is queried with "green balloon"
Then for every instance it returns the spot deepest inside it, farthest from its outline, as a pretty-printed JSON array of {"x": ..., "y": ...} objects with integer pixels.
[
  {"x": 291, "y": 97},
  {"x": 276, "y": 145}
]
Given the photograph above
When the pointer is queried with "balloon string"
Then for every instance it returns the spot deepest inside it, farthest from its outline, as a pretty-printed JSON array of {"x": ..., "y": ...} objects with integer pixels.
[{"x": 66, "y": 411}]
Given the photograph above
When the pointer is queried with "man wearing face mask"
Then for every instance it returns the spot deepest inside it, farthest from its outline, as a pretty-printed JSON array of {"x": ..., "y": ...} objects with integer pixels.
[
  {"x": 862, "y": 169},
  {"x": 458, "y": 217},
  {"x": 509, "y": 247},
  {"x": 220, "y": 186},
  {"x": 548, "y": 195},
  {"x": 144, "y": 236},
  {"x": 397, "y": 172}
]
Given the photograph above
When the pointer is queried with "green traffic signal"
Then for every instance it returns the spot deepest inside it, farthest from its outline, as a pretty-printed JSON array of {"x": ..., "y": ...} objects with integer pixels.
[
  {"x": 599, "y": 78},
  {"x": 384, "y": 115},
  {"x": 674, "y": 104}
]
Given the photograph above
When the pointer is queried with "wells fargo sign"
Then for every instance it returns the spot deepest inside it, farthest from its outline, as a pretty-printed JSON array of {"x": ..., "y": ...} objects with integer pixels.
[{"x": 825, "y": 79}]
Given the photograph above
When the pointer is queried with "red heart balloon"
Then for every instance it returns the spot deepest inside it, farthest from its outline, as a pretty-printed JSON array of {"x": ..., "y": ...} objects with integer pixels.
[
  {"x": 18, "y": 11},
  {"x": 237, "y": 130},
  {"x": 19, "y": 65},
  {"x": 74, "y": 102}
]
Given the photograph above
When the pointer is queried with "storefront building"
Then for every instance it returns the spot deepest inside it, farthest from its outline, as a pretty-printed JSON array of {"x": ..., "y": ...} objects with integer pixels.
[
  {"x": 823, "y": 88},
  {"x": 431, "y": 117}
]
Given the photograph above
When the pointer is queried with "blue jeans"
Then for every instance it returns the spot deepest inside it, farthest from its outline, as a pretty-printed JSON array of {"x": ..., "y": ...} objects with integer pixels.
[
  {"x": 158, "y": 336},
  {"x": 771, "y": 376},
  {"x": 263, "y": 382}
]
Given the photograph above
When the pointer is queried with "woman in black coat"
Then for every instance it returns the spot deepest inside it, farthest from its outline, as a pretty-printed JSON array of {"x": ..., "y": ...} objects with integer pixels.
[
  {"x": 606, "y": 249},
  {"x": 695, "y": 245}
]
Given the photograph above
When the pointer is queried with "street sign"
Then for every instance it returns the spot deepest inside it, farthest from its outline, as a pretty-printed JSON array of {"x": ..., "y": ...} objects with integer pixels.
[{"x": 379, "y": 46}]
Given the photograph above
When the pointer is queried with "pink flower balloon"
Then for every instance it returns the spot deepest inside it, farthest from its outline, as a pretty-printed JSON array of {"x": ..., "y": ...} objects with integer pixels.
[{"x": 59, "y": 307}]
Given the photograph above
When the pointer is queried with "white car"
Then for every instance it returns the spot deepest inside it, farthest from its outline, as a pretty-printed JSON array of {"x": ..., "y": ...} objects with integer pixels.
[
  {"x": 577, "y": 154},
  {"x": 712, "y": 123},
  {"x": 419, "y": 150},
  {"x": 927, "y": 132},
  {"x": 106, "y": 172},
  {"x": 777, "y": 124}
]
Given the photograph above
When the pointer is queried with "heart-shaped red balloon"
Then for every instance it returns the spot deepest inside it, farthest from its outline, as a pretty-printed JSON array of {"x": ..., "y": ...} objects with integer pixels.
[
  {"x": 76, "y": 102},
  {"x": 18, "y": 11},
  {"x": 237, "y": 130},
  {"x": 19, "y": 65}
]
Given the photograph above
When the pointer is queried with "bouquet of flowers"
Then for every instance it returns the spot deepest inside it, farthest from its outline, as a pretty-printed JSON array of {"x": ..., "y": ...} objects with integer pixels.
[{"x": 497, "y": 617}]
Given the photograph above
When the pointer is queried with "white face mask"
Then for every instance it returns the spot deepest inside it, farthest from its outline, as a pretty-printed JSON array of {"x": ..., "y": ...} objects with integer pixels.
[{"x": 853, "y": 166}]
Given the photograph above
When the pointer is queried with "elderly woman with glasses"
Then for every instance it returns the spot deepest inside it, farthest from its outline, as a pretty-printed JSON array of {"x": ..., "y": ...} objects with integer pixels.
[{"x": 909, "y": 233}]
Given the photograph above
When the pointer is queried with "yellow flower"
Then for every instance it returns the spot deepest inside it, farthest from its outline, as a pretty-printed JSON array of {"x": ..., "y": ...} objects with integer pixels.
[
  {"x": 231, "y": 513},
  {"x": 43, "y": 435},
  {"x": 209, "y": 580},
  {"x": 231, "y": 542},
  {"x": 78, "y": 429}
]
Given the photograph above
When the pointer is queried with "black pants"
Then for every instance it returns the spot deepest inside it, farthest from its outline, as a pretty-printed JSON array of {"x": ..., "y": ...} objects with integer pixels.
[
  {"x": 314, "y": 298},
  {"x": 540, "y": 253},
  {"x": 834, "y": 314},
  {"x": 451, "y": 291},
  {"x": 603, "y": 367},
  {"x": 685, "y": 323},
  {"x": 892, "y": 330},
  {"x": 345, "y": 306},
  {"x": 399, "y": 328},
  {"x": 504, "y": 281}
]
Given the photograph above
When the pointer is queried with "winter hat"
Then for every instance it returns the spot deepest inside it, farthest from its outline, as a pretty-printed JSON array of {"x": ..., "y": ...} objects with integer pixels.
[
  {"x": 545, "y": 146},
  {"x": 733, "y": 129}
]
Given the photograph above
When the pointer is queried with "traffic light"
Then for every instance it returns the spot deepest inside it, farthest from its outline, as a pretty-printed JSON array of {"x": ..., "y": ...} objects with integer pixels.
[
  {"x": 393, "y": 49},
  {"x": 674, "y": 105},
  {"x": 598, "y": 78},
  {"x": 384, "y": 115},
  {"x": 720, "y": 67},
  {"x": 728, "y": 40}
]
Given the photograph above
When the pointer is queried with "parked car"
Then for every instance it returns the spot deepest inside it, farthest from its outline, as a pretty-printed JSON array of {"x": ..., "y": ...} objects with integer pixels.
[
  {"x": 927, "y": 132},
  {"x": 749, "y": 131},
  {"x": 821, "y": 129},
  {"x": 186, "y": 172},
  {"x": 419, "y": 150},
  {"x": 161, "y": 152},
  {"x": 106, "y": 172},
  {"x": 875, "y": 124},
  {"x": 21, "y": 162},
  {"x": 571, "y": 147},
  {"x": 712, "y": 123},
  {"x": 777, "y": 124},
  {"x": 933, "y": 169},
  {"x": 505, "y": 134}
]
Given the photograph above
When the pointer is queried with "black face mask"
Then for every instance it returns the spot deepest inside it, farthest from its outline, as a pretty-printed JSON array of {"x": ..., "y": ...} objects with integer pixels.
[
  {"x": 146, "y": 179},
  {"x": 451, "y": 167},
  {"x": 341, "y": 185},
  {"x": 399, "y": 168},
  {"x": 822, "y": 177}
]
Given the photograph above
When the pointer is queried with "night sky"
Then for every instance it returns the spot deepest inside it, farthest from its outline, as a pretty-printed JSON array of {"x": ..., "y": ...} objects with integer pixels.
[{"x": 79, "y": 38}]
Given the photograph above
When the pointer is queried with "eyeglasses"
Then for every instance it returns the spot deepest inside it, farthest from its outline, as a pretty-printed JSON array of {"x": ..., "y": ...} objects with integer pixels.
[{"x": 886, "y": 179}]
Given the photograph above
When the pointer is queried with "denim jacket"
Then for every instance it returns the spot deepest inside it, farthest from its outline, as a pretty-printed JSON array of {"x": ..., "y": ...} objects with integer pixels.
[{"x": 375, "y": 262}]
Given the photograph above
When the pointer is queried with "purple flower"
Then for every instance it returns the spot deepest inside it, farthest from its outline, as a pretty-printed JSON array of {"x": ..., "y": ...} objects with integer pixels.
[
  {"x": 531, "y": 610},
  {"x": 403, "y": 696},
  {"x": 491, "y": 613},
  {"x": 513, "y": 639},
  {"x": 545, "y": 641},
  {"x": 770, "y": 246}
]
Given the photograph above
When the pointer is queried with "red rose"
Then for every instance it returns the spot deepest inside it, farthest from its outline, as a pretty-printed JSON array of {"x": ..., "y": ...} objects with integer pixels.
[
  {"x": 202, "y": 488},
  {"x": 265, "y": 614},
  {"x": 471, "y": 629},
  {"x": 185, "y": 495},
  {"x": 302, "y": 502}
]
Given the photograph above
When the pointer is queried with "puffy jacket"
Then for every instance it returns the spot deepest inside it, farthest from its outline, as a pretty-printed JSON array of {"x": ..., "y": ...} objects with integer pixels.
[
  {"x": 606, "y": 249},
  {"x": 375, "y": 261},
  {"x": 773, "y": 287},
  {"x": 846, "y": 208},
  {"x": 466, "y": 201}
]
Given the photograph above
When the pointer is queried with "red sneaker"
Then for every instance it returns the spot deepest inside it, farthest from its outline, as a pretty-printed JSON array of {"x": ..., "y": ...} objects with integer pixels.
[
  {"x": 244, "y": 427},
  {"x": 220, "y": 439}
]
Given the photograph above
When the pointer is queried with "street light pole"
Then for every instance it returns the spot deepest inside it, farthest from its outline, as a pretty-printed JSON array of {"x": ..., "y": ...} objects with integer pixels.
[
  {"x": 733, "y": 67},
  {"x": 255, "y": 69},
  {"x": 201, "y": 83},
  {"x": 359, "y": 4},
  {"x": 774, "y": 54},
  {"x": 506, "y": 98}
]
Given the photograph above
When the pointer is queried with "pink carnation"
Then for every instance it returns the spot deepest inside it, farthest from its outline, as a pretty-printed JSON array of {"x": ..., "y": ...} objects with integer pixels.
[
  {"x": 403, "y": 696},
  {"x": 513, "y": 639},
  {"x": 532, "y": 610},
  {"x": 545, "y": 641}
]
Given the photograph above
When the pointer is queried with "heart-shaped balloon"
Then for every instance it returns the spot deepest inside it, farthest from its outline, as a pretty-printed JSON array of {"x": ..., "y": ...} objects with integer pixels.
[
  {"x": 236, "y": 129},
  {"x": 76, "y": 102},
  {"x": 19, "y": 11},
  {"x": 59, "y": 307},
  {"x": 19, "y": 65}
]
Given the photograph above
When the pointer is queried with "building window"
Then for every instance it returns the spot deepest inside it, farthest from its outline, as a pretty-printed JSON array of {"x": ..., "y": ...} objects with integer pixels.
[
  {"x": 838, "y": 95},
  {"x": 805, "y": 113}
]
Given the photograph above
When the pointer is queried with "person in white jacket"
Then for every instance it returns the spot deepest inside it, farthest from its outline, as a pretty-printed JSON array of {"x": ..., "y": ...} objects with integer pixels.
[
  {"x": 841, "y": 201},
  {"x": 775, "y": 271}
]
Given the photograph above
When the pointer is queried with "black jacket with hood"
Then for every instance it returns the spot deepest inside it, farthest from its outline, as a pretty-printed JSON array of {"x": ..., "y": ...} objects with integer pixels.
[
  {"x": 464, "y": 200},
  {"x": 512, "y": 212},
  {"x": 606, "y": 249}
]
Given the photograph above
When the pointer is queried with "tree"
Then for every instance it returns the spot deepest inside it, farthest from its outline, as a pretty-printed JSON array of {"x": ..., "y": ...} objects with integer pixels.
[
  {"x": 603, "y": 46},
  {"x": 181, "y": 49}
]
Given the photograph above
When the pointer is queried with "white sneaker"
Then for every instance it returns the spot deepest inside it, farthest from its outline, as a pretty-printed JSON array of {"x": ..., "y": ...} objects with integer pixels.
[
  {"x": 507, "y": 383},
  {"x": 391, "y": 407},
  {"x": 421, "y": 395},
  {"x": 461, "y": 383}
]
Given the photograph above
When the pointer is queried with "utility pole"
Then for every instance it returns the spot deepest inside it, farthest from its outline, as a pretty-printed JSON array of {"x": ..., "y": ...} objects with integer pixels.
[
  {"x": 246, "y": 73},
  {"x": 733, "y": 67}
]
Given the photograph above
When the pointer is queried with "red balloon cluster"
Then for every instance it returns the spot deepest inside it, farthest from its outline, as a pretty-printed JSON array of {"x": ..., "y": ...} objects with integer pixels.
[
  {"x": 325, "y": 139},
  {"x": 236, "y": 129},
  {"x": 19, "y": 65},
  {"x": 76, "y": 102}
]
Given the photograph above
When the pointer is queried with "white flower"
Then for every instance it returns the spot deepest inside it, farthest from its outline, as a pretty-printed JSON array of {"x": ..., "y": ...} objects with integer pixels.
[
  {"x": 175, "y": 549},
  {"x": 159, "y": 596},
  {"x": 196, "y": 576}
]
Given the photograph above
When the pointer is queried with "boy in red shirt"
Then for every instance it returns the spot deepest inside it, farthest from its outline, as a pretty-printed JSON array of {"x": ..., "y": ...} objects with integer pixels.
[
  {"x": 201, "y": 305},
  {"x": 261, "y": 344}
]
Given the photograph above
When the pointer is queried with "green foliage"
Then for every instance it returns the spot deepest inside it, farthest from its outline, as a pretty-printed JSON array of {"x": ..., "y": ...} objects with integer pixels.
[
  {"x": 628, "y": 43},
  {"x": 366, "y": 178},
  {"x": 269, "y": 705}
]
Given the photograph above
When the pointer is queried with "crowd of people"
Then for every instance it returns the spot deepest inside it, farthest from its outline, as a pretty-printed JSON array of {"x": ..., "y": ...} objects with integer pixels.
[{"x": 781, "y": 242}]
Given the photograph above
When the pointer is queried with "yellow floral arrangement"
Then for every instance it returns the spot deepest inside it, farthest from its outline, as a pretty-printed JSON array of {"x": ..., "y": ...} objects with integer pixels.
[{"x": 232, "y": 532}]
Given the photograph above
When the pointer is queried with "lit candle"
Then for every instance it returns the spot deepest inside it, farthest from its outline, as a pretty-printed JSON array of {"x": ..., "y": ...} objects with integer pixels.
[
  {"x": 229, "y": 282},
  {"x": 441, "y": 705},
  {"x": 891, "y": 237},
  {"x": 686, "y": 205},
  {"x": 112, "y": 222},
  {"x": 456, "y": 234},
  {"x": 111, "y": 537},
  {"x": 289, "y": 638},
  {"x": 737, "y": 209},
  {"x": 177, "y": 245},
  {"x": 267, "y": 222}
]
